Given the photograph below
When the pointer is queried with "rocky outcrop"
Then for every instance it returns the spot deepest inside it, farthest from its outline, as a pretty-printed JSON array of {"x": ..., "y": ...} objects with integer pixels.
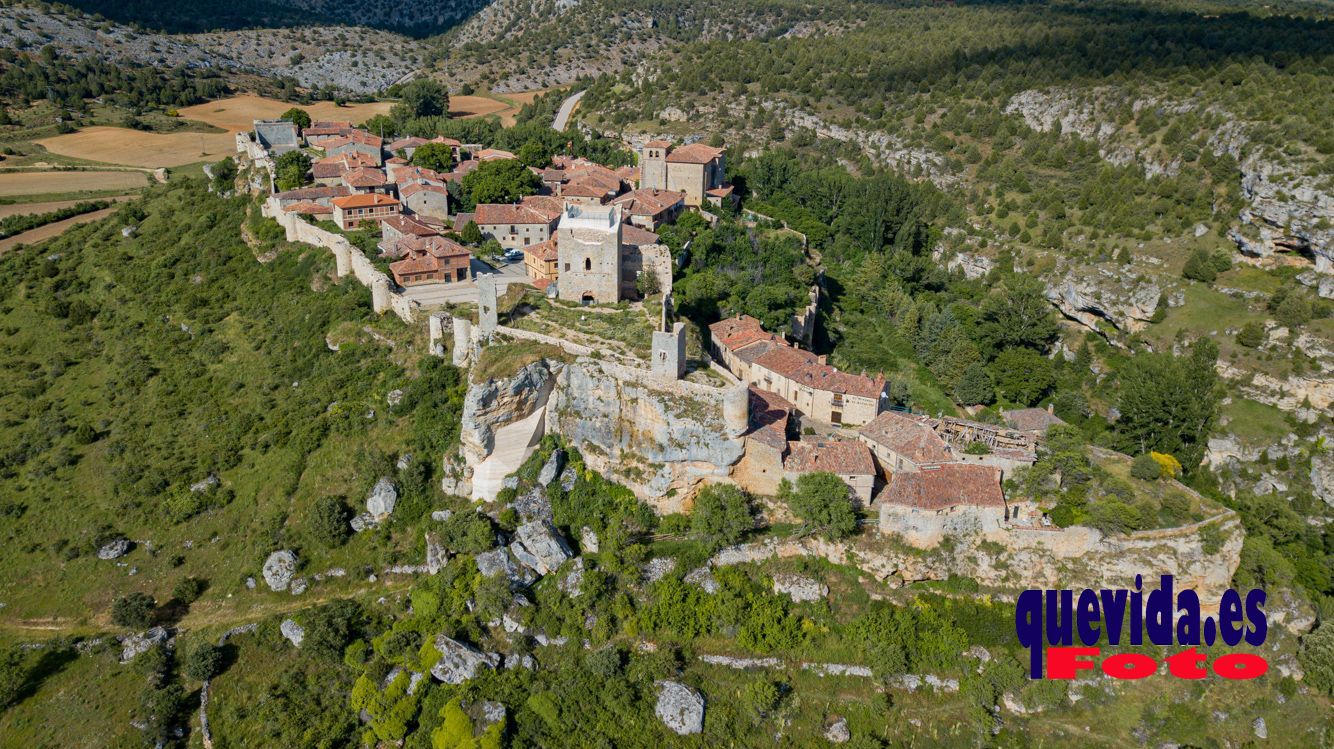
[
  {"x": 382, "y": 498},
  {"x": 1322, "y": 476},
  {"x": 653, "y": 436},
  {"x": 800, "y": 588},
  {"x": 837, "y": 732},
  {"x": 1093, "y": 295},
  {"x": 539, "y": 547},
  {"x": 132, "y": 646},
  {"x": 459, "y": 662},
  {"x": 279, "y": 569},
  {"x": 680, "y": 708},
  {"x": 492, "y": 404},
  {"x": 294, "y": 632},
  {"x": 114, "y": 549}
]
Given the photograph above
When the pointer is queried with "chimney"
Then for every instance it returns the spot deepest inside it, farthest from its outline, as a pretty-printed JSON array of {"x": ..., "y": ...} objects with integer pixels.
[
  {"x": 821, "y": 358},
  {"x": 1051, "y": 408}
]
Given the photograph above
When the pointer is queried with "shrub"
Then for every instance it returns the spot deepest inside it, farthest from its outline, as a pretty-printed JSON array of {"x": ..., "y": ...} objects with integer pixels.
[
  {"x": 823, "y": 502},
  {"x": 188, "y": 589},
  {"x": 721, "y": 516},
  {"x": 329, "y": 521},
  {"x": 1294, "y": 311},
  {"x": 134, "y": 610},
  {"x": 1169, "y": 466},
  {"x": 1251, "y": 335},
  {"x": 1317, "y": 658},
  {"x": 1145, "y": 468},
  {"x": 1200, "y": 267},
  {"x": 203, "y": 662}
]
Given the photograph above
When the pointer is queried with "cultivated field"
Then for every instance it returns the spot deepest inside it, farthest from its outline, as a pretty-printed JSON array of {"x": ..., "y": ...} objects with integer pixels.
[
  {"x": 238, "y": 113},
  {"x": 24, "y": 209},
  {"x": 118, "y": 145},
  {"x": 475, "y": 106},
  {"x": 52, "y": 230},
  {"x": 43, "y": 183}
]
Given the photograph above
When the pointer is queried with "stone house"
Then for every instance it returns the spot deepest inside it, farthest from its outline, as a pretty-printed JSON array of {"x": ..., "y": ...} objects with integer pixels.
[
  {"x": 356, "y": 141},
  {"x": 1033, "y": 422},
  {"x": 432, "y": 259},
  {"x": 367, "y": 179},
  {"x": 395, "y": 228},
  {"x": 649, "y": 208},
  {"x": 923, "y": 507},
  {"x": 352, "y": 211},
  {"x": 904, "y": 442},
  {"x": 697, "y": 170},
  {"x": 322, "y": 130},
  {"x": 277, "y": 136},
  {"x": 817, "y": 390},
  {"x": 515, "y": 226},
  {"x": 588, "y": 246},
  {"x": 323, "y": 195},
  {"x": 425, "y": 199},
  {"x": 540, "y": 261},
  {"x": 848, "y": 459},
  {"x": 330, "y": 169}
]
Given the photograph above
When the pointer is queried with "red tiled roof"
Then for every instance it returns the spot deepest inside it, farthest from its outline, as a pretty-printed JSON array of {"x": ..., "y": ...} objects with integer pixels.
[
  {"x": 735, "y": 332},
  {"x": 364, "y": 200},
  {"x": 695, "y": 153},
  {"x": 637, "y": 237},
  {"x": 719, "y": 192},
  {"x": 336, "y": 165},
  {"x": 649, "y": 201},
  {"x": 409, "y": 225},
  {"x": 492, "y": 214},
  {"x": 493, "y": 154},
  {"x": 364, "y": 176},
  {"x": 804, "y": 368},
  {"x": 543, "y": 251},
  {"x": 446, "y": 141},
  {"x": 769, "y": 413},
  {"x": 909, "y": 436},
  {"x": 944, "y": 486},
  {"x": 846, "y": 457},
  {"x": 658, "y": 144},
  {"x": 409, "y": 142},
  {"x": 548, "y": 206},
  {"x": 309, "y": 208},
  {"x": 1031, "y": 419},
  {"x": 415, "y": 187}
]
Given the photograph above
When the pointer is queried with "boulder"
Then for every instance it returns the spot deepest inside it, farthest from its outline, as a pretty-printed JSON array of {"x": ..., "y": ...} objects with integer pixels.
[
  {"x": 299, "y": 585},
  {"x": 800, "y": 588},
  {"x": 571, "y": 583},
  {"x": 1260, "y": 728},
  {"x": 680, "y": 708},
  {"x": 702, "y": 577},
  {"x": 533, "y": 504},
  {"x": 132, "y": 646},
  {"x": 403, "y": 461},
  {"x": 436, "y": 554},
  {"x": 551, "y": 470},
  {"x": 441, "y": 516},
  {"x": 363, "y": 522},
  {"x": 114, "y": 549},
  {"x": 1322, "y": 476},
  {"x": 540, "y": 547},
  {"x": 588, "y": 540},
  {"x": 838, "y": 732},
  {"x": 486, "y": 714},
  {"x": 459, "y": 662},
  {"x": 382, "y": 498},
  {"x": 279, "y": 569},
  {"x": 658, "y": 567},
  {"x": 294, "y": 632},
  {"x": 208, "y": 482},
  {"x": 498, "y": 562},
  {"x": 394, "y": 397}
]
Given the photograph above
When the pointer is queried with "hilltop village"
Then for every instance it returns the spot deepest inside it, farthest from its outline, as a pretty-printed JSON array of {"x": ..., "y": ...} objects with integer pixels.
[{"x": 572, "y": 285}]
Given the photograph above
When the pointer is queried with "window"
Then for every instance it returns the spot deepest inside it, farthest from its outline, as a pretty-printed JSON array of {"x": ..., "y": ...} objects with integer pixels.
[
  {"x": 588, "y": 263},
  {"x": 567, "y": 267}
]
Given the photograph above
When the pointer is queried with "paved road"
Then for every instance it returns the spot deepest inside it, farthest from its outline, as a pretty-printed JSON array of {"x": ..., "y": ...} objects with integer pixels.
[
  {"x": 566, "y": 109},
  {"x": 437, "y": 294}
]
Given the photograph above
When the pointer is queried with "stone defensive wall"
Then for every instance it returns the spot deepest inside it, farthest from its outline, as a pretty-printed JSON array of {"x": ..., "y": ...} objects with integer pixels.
[{"x": 348, "y": 260}]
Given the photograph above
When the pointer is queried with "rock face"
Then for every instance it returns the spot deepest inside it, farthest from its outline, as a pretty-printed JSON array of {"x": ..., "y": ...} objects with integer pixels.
[
  {"x": 279, "y": 569},
  {"x": 114, "y": 549},
  {"x": 551, "y": 470},
  {"x": 382, "y": 498},
  {"x": 539, "y": 547},
  {"x": 459, "y": 662},
  {"x": 499, "y": 562},
  {"x": 800, "y": 588},
  {"x": 132, "y": 646},
  {"x": 680, "y": 708},
  {"x": 650, "y": 435},
  {"x": 294, "y": 632},
  {"x": 1322, "y": 476},
  {"x": 1089, "y": 295},
  {"x": 703, "y": 578},
  {"x": 436, "y": 554},
  {"x": 495, "y": 403},
  {"x": 838, "y": 732}
]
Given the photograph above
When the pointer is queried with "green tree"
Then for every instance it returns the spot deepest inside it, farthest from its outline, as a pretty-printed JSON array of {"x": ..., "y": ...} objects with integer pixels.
[
  {"x": 1169, "y": 403},
  {"x": 975, "y": 386},
  {"x": 1316, "y": 656},
  {"x": 203, "y": 662},
  {"x": 1251, "y": 335},
  {"x": 435, "y": 156},
  {"x": 471, "y": 234},
  {"x": 721, "y": 516},
  {"x": 534, "y": 153},
  {"x": 13, "y": 675},
  {"x": 823, "y": 502},
  {"x": 297, "y": 116},
  {"x": 1200, "y": 267},
  {"x": 291, "y": 168},
  {"x": 188, "y": 589},
  {"x": 1294, "y": 311},
  {"x": 224, "y": 175},
  {"x": 500, "y": 181},
  {"x": 422, "y": 97},
  {"x": 1145, "y": 468},
  {"x": 134, "y": 610},
  {"x": 330, "y": 521},
  {"x": 1023, "y": 375},
  {"x": 330, "y": 628},
  {"x": 1017, "y": 314}
]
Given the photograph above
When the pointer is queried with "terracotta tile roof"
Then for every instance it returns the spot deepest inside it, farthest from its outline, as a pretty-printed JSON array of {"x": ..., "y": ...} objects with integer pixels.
[
  {"x": 461, "y": 170},
  {"x": 658, "y": 144},
  {"x": 1032, "y": 419},
  {"x": 494, "y": 154},
  {"x": 547, "y": 205},
  {"x": 542, "y": 251},
  {"x": 313, "y": 193},
  {"x": 649, "y": 201},
  {"x": 396, "y": 160},
  {"x": 736, "y": 332},
  {"x": 364, "y": 176},
  {"x": 695, "y": 153},
  {"x": 636, "y": 237},
  {"x": 461, "y": 220},
  {"x": 364, "y": 200},
  {"x": 409, "y": 142},
  {"x": 309, "y": 208},
  {"x": 805, "y": 368},
  {"x": 418, "y": 174},
  {"x": 338, "y": 164},
  {"x": 769, "y": 413},
  {"x": 319, "y": 127},
  {"x": 409, "y": 225},
  {"x": 846, "y": 457},
  {"x": 494, "y": 214},
  {"x": 947, "y": 485},
  {"x": 434, "y": 245},
  {"x": 907, "y": 435},
  {"x": 720, "y": 192},
  {"x": 541, "y": 284},
  {"x": 415, "y": 187},
  {"x": 446, "y": 141}
]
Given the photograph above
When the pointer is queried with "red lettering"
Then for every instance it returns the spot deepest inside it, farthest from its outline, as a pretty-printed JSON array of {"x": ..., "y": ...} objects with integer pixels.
[
  {"x": 1129, "y": 666},
  {"x": 1188, "y": 664},
  {"x": 1061, "y": 663},
  {"x": 1240, "y": 666}
]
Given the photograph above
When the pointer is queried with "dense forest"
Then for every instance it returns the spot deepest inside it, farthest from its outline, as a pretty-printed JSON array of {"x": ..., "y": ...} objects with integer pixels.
[
  {"x": 416, "y": 17},
  {"x": 70, "y": 83}
]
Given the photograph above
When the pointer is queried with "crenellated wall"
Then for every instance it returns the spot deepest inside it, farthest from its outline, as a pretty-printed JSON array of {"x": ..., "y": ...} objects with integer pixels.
[{"x": 348, "y": 260}]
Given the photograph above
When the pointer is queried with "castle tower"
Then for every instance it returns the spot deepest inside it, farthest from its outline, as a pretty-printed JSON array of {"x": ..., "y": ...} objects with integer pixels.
[
  {"x": 588, "y": 250},
  {"x": 653, "y": 164},
  {"x": 669, "y": 352}
]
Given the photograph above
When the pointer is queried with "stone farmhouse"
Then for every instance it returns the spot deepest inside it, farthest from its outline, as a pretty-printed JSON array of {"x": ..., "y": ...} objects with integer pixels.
[
  {"x": 696, "y": 170},
  {"x": 351, "y": 211},
  {"x": 848, "y": 459},
  {"x": 520, "y": 225},
  {"x": 398, "y": 227},
  {"x": 925, "y": 506},
  {"x": 425, "y": 199},
  {"x": 649, "y": 208},
  {"x": 329, "y": 170},
  {"x": 356, "y": 141},
  {"x": 540, "y": 262},
  {"x": 431, "y": 259},
  {"x": 323, "y": 130},
  {"x": 815, "y": 389}
]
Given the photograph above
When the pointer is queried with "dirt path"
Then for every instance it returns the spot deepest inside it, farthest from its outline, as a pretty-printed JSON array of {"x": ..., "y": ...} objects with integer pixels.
[{"x": 49, "y": 231}]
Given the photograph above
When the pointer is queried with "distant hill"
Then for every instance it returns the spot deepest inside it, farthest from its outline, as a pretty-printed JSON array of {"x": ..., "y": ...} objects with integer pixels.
[{"x": 416, "y": 17}]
